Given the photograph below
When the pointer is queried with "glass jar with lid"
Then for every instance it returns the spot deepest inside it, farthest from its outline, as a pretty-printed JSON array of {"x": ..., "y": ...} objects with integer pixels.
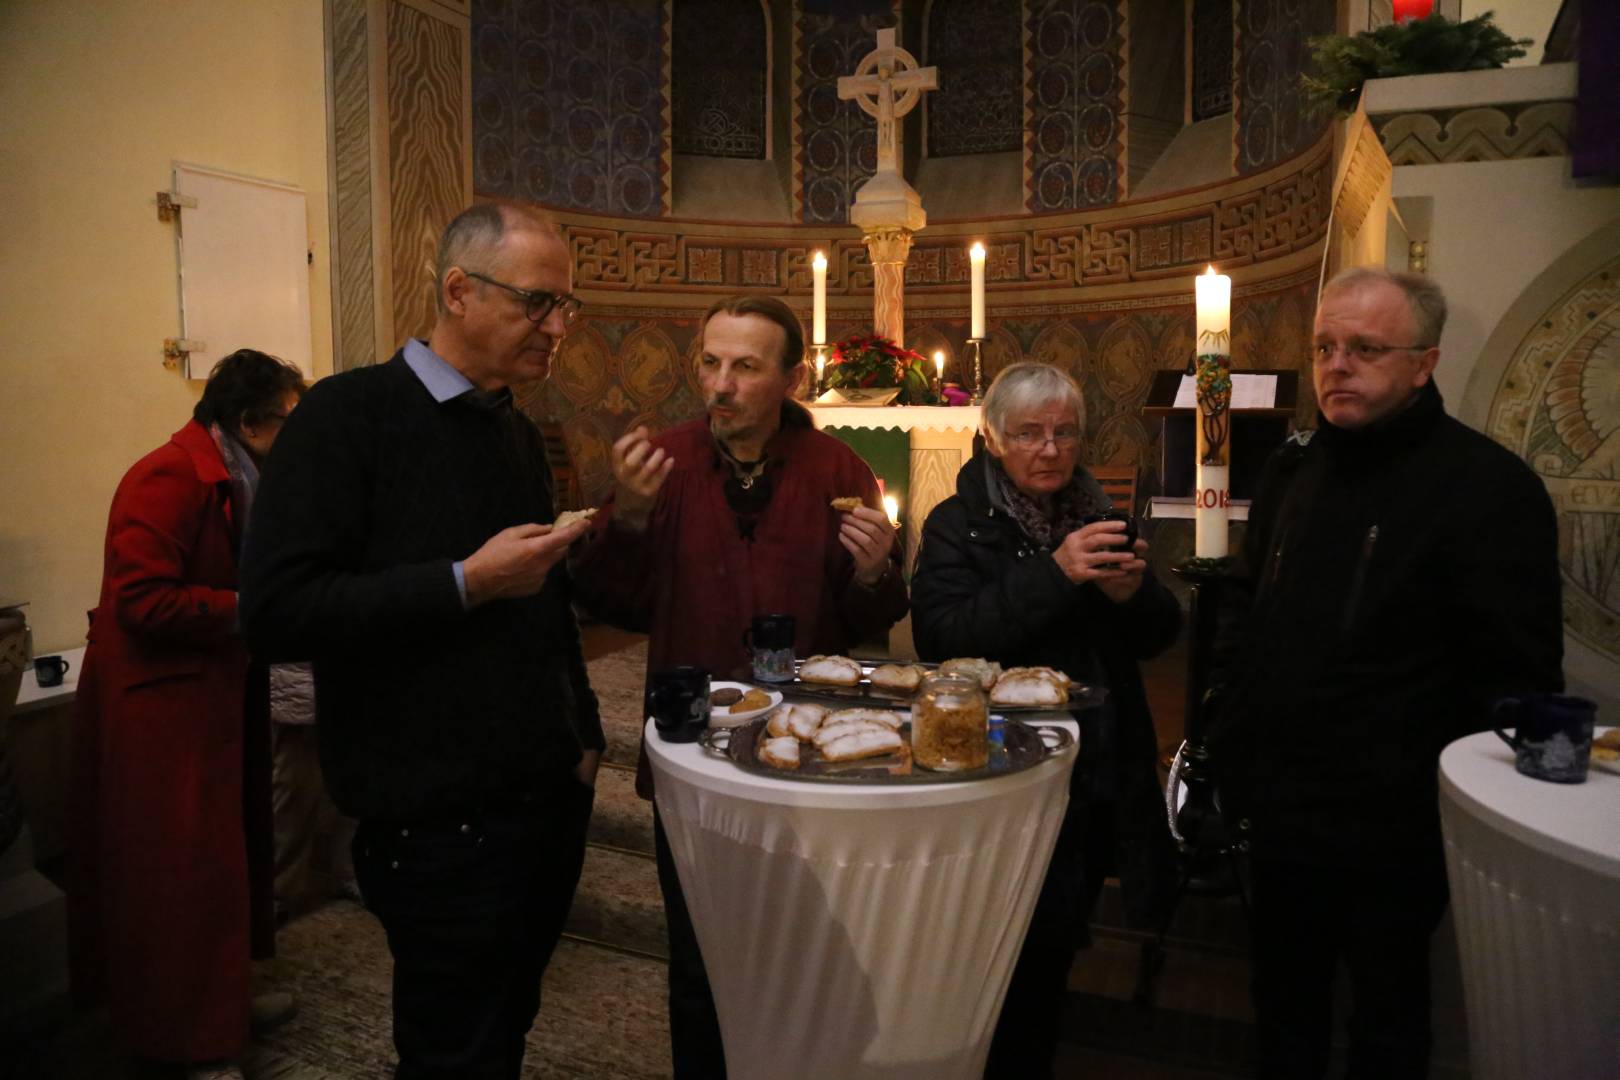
[{"x": 950, "y": 724}]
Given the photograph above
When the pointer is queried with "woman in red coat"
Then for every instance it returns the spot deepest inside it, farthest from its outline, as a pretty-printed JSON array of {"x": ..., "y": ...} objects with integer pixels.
[{"x": 170, "y": 850}]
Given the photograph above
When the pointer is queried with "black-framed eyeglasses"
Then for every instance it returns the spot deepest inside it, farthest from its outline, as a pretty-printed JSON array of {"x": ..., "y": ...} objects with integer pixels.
[
  {"x": 1364, "y": 351},
  {"x": 537, "y": 303}
]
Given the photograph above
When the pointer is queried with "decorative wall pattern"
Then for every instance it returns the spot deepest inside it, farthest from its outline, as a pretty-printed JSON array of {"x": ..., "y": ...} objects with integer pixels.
[
  {"x": 1074, "y": 139},
  {"x": 569, "y": 104},
  {"x": 718, "y": 109},
  {"x": 1485, "y": 133},
  {"x": 1558, "y": 407},
  {"x": 354, "y": 301},
  {"x": 621, "y": 369},
  {"x": 1212, "y": 58},
  {"x": 837, "y": 148},
  {"x": 979, "y": 50},
  {"x": 1269, "y": 54},
  {"x": 426, "y": 134},
  {"x": 1255, "y": 221}
]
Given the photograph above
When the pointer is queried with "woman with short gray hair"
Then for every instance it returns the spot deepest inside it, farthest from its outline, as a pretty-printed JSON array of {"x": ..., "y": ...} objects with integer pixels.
[{"x": 1016, "y": 568}]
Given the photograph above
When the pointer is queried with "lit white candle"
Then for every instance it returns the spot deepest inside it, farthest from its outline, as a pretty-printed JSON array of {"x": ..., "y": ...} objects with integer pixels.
[
  {"x": 891, "y": 506},
  {"x": 1214, "y": 324},
  {"x": 939, "y": 365},
  {"x": 1213, "y": 294},
  {"x": 818, "y": 331},
  {"x": 821, "y": 366},
  {"x": 976, "y": 259}
]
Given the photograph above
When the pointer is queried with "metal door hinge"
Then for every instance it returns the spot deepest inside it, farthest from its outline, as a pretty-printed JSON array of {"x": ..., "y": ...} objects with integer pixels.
[
  {"x": 176, "y": 350},
  {"x": 169, "y": 204}
]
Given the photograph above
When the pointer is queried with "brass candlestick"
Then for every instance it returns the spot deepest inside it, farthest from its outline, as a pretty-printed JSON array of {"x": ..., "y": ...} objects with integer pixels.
[
  {"x": 976, "y": 370},
  {"x": 820, "y": 352}
]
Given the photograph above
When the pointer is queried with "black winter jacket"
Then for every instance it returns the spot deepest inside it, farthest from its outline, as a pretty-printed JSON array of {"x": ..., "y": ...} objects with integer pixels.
[
  {"x": 1398, "y": 580},
  {"x": 982, "y": 588}
]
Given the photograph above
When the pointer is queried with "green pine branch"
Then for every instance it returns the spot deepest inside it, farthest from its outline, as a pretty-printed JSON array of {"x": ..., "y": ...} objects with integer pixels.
[{"x": 1416, "y": 47}]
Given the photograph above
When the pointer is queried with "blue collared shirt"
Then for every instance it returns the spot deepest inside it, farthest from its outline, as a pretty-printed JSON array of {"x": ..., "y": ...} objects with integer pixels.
[{"x": 443, "y": 382}]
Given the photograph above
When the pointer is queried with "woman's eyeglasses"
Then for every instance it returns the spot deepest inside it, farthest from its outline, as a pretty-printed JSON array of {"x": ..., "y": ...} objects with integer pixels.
[{"x": 1064, "y": 438}]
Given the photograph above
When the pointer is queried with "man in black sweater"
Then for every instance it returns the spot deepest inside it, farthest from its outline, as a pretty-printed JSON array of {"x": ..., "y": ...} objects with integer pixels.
[
  {"x": 401, "y": 541},
  {"x": 1404, "y": 576}
]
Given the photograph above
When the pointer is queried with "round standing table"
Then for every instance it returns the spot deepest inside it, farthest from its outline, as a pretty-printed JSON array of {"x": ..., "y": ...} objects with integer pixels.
[
  {"x": 1535, "y": 890},
  {"x": 857, "y": 930}
]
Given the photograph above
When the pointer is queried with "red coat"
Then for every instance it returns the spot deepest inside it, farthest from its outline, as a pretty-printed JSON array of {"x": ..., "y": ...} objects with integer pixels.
[{"x": 161, "y": 922}]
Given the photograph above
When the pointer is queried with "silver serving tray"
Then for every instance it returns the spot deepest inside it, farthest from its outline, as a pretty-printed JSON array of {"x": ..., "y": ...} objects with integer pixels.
[
  {"x": 864, "y": 695},
  {"x": 1014, "y": 747}
]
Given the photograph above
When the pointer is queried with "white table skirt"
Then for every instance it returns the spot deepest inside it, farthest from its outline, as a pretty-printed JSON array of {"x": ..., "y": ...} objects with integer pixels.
[
  {"x": 857, "y": 930},
  {"x": 1535, "y": 890}
]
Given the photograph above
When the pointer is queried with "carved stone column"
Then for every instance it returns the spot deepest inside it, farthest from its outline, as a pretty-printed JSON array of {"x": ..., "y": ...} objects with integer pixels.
[{"x": 888, "y": 249}]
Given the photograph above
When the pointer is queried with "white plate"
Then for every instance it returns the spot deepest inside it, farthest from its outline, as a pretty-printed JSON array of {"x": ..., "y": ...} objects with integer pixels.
[{"x": 720, "y": 717}]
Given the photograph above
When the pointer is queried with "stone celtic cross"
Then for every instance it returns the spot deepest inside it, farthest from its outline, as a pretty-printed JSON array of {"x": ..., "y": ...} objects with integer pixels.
[{"x": 887, "y": 84}]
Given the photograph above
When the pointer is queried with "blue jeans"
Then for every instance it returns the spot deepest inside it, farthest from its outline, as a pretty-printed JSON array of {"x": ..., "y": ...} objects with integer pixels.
[{"x": 473, "y": 905}]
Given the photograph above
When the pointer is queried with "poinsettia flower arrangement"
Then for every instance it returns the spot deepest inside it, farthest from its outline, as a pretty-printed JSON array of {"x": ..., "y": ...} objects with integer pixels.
[{"x": 866, "y": 361}]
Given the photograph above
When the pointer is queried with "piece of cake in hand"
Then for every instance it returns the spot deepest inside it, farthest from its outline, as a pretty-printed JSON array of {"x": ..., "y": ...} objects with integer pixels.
[
  {"x": 834, "y": 670},
  {"x": 899, "y": 678},
  {"x": 782, "y": 753}
]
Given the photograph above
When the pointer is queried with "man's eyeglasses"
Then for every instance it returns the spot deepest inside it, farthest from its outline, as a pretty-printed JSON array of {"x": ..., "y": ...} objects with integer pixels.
[
  {"x": 537, "y": 304},
  {"x": 1064, "y": 438},
  {"x": 1365, "y": 351}
]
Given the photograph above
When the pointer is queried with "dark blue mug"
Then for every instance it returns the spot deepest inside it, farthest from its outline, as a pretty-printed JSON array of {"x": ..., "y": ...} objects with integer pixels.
[
  {"x": 678, "y": 701},
  {"x": 49, "y": 670},
  {"x": 1552, "y": 735}
]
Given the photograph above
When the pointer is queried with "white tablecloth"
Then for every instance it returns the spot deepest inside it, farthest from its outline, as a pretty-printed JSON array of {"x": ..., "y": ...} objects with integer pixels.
[
  {"x": 857, "y": 930},
  {"x": 1535, "y": 889}
]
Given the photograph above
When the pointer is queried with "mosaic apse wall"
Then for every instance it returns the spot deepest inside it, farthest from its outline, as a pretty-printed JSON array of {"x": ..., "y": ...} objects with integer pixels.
[
  {"x": 1074, "y": 138},
  {"x": 1270, "y": 51},
  {"x": 1558, "y": 407},
  {"x": 1110, "y": 300},
  {"x": 620, "y": 370},
  {"x": 570, "y": 104}
]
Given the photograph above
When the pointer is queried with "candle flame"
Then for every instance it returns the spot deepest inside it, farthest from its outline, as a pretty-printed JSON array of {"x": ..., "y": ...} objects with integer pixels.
[
  {"x": 820, "y": 261},
  {"x": 891, "y": 506},
  {"x": 1209, "y": 271},
  {"x": 977, "y": 250}
]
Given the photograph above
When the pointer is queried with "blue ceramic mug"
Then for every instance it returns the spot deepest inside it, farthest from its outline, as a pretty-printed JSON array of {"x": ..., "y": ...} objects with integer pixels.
[
  {"x": 1552, "y": 735},
  {"x": 678, "y": 701}
]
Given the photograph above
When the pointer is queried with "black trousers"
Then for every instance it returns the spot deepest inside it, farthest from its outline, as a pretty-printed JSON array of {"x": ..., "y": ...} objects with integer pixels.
[
  {"x": 1026, "y": 1035},
  {"x": 1379, "y": 922},
  {"x": 473, "y": 906},
  {"x": 694, "y": 1026}
]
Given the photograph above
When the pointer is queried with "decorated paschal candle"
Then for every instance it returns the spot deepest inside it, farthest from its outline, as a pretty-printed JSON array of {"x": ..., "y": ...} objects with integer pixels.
[{"x": 1213, "y": 293}]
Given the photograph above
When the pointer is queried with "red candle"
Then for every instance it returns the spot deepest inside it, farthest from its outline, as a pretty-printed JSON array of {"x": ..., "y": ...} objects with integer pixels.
[{"x": 1413, "y": 9}]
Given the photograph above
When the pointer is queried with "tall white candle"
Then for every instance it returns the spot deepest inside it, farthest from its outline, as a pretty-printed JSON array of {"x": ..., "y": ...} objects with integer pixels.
[
  {"x": 976, "y": 260},
  {"x": 1214, "y": 324},
  {"x": 1213, "y": 348},
  {"x": 818, "y": 271}
]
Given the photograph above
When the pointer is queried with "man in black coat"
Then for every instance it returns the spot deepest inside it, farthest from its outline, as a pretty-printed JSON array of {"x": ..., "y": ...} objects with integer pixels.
[
  {"x": 1401, "y": 575},
  {"x": 402, "y": 540}
]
